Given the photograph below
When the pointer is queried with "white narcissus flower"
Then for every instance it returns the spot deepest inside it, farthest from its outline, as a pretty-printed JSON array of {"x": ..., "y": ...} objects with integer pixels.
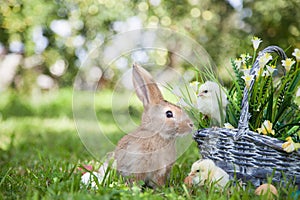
[
  {"x": 270, "y": 70},
  {"x": 228, "y": 125},
  {"x": 264, "y": 59},
  {"x": 296, "y": 53},
  {"x": 245, "y": 57},
  {"x": 246, "y": 71},
  {"x": 256, "y": 41},
  {"x": 266, "y": 128},
  {"x": 287, "y": 63},
  {"x": 238, "y": 62},
  {"x": 248, "y": 79},
  {"x": 262, "y": 72}
]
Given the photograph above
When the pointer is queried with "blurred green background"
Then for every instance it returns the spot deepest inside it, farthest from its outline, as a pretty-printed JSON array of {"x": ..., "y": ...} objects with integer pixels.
[{"x": 44, "y": 42}]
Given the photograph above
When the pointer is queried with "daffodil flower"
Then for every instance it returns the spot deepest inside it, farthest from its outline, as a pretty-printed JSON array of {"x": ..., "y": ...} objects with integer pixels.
[
  {"x": 270, "y": 70},
  {"x": 266, "y": 128},
  {"x": 290, "y": 145},
  {"x": 264, "y": 59},
  {"x": 266, "y": 72},
  {"x": 255, "y": 42},
  {"x": 296, "y": 53},
  {"x": 246, "y": 71},
  {"x": 260, "y": 72},
  {"x": 248, "y": 78},
  {"x": 287, "y": 63},
  {"x": 243, "y": 57},
  {"x": 228, "y": 125}
]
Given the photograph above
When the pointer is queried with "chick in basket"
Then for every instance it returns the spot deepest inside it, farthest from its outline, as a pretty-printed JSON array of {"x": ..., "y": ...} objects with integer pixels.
[{"x": 212, "y": 101}]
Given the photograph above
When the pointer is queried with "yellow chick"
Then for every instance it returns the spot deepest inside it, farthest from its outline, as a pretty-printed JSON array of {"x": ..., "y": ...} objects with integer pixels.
[
  {"x": 212, "y": 101},
  {"x": 206, "y": 170}
]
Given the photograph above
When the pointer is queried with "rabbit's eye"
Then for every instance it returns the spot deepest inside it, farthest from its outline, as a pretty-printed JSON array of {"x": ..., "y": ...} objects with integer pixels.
[
  {"x": 205, "y": 91},
  {"x": 169, "y": 114},
  {"x": 198, "y": 170}
]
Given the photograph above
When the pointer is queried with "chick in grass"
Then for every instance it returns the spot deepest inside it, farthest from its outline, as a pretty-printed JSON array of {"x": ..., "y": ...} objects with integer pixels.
[
  {"x": 212, "y": 101},
  {"x": 205, "y": 171}
]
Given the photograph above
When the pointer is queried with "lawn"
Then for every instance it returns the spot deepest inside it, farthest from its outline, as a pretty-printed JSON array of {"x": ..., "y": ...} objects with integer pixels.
[{"x": 40, "y": 152}]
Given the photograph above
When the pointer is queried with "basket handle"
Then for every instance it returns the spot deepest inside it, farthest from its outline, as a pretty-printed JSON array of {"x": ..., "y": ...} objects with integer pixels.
[{"x": 243, "y": 125}]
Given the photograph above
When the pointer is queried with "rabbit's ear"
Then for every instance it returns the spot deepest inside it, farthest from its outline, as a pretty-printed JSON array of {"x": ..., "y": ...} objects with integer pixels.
[{"x": 145, "y": 87}]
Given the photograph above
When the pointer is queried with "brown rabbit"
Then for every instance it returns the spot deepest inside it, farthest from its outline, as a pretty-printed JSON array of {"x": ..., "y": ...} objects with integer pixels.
[{"x": 148, "y": 153}]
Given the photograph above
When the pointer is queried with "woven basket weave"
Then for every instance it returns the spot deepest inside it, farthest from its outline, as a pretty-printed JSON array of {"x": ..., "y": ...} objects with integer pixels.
[{"x": 248, "y": 155}]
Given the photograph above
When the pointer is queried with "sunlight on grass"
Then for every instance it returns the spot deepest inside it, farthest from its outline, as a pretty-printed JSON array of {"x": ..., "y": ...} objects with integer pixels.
[
  {"x": 40, "y": 150},
  {"x": 19, "y": 127}
]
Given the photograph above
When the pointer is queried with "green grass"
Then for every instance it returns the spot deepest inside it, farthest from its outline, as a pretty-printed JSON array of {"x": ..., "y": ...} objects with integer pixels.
[{"x": 40, "y": 151}]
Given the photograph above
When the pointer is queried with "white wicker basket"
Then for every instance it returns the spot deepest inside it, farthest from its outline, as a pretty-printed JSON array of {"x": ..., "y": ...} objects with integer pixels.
[{"x": 248, "y": 155}]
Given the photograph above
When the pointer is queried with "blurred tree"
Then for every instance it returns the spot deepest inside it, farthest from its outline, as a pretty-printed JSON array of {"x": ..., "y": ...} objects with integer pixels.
[
  {"x": 54, "y": 37},
  {"x": 277, "y": 22}
]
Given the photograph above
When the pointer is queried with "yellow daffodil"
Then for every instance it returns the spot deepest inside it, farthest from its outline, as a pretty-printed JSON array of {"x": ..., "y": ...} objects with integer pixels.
[
  {"x": 256, "y": 41},
  {"x": 264, "y": 59},
  {"x": 248, "y": 78},
  {"x": 296, "y": 53},
  {"x": 228, "y": 125},
  {"x": 287, "y": 63},
  {"x": 290, "y": 145},
  {"x": 266, "y": 128}
]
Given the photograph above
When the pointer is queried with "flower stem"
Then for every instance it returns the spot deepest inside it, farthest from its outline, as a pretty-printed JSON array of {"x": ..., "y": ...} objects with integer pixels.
[{"x": 254, "y": 55}]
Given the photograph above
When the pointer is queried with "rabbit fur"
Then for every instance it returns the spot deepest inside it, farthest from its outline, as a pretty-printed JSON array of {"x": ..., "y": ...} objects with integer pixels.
[{"x": 149, "y": 152}]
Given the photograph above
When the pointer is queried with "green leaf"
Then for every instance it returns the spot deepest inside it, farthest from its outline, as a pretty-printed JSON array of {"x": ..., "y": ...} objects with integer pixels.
[
  {"x": 269, "y": 113},
  {"x": 295, "y": 82}
]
